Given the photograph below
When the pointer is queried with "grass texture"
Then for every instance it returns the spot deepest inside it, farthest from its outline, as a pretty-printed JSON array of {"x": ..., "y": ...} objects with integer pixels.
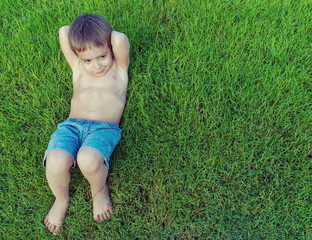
[{"x": 217, "y": 128}]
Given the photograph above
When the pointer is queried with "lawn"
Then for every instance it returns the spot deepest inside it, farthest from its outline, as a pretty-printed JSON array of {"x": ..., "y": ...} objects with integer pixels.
[{"x": 217, "y": 133}]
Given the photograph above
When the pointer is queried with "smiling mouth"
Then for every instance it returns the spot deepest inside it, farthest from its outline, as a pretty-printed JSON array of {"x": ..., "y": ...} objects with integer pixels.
[{"x": 100, "y": 72}]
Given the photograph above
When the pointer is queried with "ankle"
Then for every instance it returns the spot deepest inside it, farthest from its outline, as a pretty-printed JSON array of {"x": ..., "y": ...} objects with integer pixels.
[
  {"x": 103, "y": 189},
  {"x": 62, "y": 201}
]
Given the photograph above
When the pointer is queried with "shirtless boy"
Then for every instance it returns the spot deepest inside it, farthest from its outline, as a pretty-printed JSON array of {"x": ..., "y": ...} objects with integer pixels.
[{"x": 99, "y": 59}]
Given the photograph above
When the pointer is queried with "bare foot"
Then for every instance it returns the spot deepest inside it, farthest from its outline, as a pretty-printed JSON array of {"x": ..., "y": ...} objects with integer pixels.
[
  {"x": 55, "y": 218},
  {"x": 102, "y": 205}
]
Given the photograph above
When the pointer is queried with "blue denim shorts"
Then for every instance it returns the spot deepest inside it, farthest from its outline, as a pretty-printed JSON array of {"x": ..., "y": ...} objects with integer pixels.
[{"x": 74, "y": 134}]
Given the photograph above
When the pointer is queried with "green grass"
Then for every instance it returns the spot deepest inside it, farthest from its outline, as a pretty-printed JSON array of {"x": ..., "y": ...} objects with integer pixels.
[{"x": 216, "y": 132}]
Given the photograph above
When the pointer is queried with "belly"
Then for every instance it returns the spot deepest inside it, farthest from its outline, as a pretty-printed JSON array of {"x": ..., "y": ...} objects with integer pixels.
[{"x": 98, "y": 105}]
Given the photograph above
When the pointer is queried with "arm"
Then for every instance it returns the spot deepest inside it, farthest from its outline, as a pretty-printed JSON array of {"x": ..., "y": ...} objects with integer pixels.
[
  {"x": 120, "y": 47},
  {"x": 70, "y": 56}
]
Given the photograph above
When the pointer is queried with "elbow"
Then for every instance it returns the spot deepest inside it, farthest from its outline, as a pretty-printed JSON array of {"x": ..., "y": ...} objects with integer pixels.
[
  {"x": 119, "y": 39},
  {"x": 63, "y": 31}
]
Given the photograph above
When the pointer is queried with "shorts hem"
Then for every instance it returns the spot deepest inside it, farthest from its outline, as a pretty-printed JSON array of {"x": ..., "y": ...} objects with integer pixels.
[
  {"x": 106, "y": 162},
  {"x": 46, "y": 154}
]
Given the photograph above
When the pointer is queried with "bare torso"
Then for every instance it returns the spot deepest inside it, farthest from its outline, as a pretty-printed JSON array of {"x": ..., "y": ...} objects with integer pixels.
[{"x": 99, "y": 98}]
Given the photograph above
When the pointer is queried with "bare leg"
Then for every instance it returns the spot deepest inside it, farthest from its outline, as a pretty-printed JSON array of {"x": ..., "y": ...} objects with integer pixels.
[
  {"x": 57, "y": 171},
  {"x": 93, "y": 167}
]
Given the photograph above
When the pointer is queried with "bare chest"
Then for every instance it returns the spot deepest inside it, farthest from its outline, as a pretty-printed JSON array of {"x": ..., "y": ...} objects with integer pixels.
[{"x": 113, "y": 82}]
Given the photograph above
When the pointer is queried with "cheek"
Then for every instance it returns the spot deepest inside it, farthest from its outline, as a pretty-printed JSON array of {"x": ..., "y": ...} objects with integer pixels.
[
  {"x": 87, "y": 67},
  {"x": 107, "y": 61}
]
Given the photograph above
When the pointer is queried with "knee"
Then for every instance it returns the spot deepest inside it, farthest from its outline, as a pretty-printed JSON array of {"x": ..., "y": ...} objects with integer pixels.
[
  {"x": 58, "y": 161},
  {"x": 89, "y": 160}
]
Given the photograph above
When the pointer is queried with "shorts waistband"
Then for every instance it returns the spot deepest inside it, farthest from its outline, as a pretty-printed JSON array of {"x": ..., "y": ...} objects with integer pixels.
[{"x": 84, "y": 121}]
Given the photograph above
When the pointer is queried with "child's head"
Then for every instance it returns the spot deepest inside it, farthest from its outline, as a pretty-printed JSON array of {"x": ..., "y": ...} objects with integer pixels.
[{"x": 89, "y": 30}]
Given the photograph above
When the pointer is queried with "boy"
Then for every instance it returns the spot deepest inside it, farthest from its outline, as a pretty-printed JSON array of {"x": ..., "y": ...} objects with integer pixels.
[{"x": 99, "y": 59}]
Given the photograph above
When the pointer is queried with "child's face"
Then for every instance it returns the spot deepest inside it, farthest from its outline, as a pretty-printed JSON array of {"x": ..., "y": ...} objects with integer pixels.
[{"x": 96, "y": 60}]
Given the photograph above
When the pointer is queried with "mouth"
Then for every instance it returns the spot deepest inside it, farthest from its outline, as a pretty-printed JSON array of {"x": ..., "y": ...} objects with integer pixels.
[{"x": 98, "y": 73}]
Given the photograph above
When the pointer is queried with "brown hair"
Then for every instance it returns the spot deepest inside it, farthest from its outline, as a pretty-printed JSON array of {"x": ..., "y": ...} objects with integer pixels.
[{"x": 89, "y": 30}]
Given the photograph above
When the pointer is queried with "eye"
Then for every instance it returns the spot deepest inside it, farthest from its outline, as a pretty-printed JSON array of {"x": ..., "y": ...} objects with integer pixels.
[
  {"x": 87, "y": 61},
  {"x": 103, "y": 56}
]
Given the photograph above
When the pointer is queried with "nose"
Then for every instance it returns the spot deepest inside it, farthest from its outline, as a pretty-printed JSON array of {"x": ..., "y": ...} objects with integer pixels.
[{"x": 98, "y": 65}]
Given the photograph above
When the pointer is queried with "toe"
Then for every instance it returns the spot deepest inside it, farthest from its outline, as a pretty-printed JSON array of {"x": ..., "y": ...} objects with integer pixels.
[
  {"x": 108, "y": 214},
  {"x": 96, "y": 218},
  {"x": 110, "y": 207},
  {"x": 46, "y": 222},
  {"x": 48, "y": 225},
  {"x": 56, "y": 230},
  {"x": 100, "y": 218},
  {"x": 105, "y": 216},
  {"x": 51, "y": 228}
]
